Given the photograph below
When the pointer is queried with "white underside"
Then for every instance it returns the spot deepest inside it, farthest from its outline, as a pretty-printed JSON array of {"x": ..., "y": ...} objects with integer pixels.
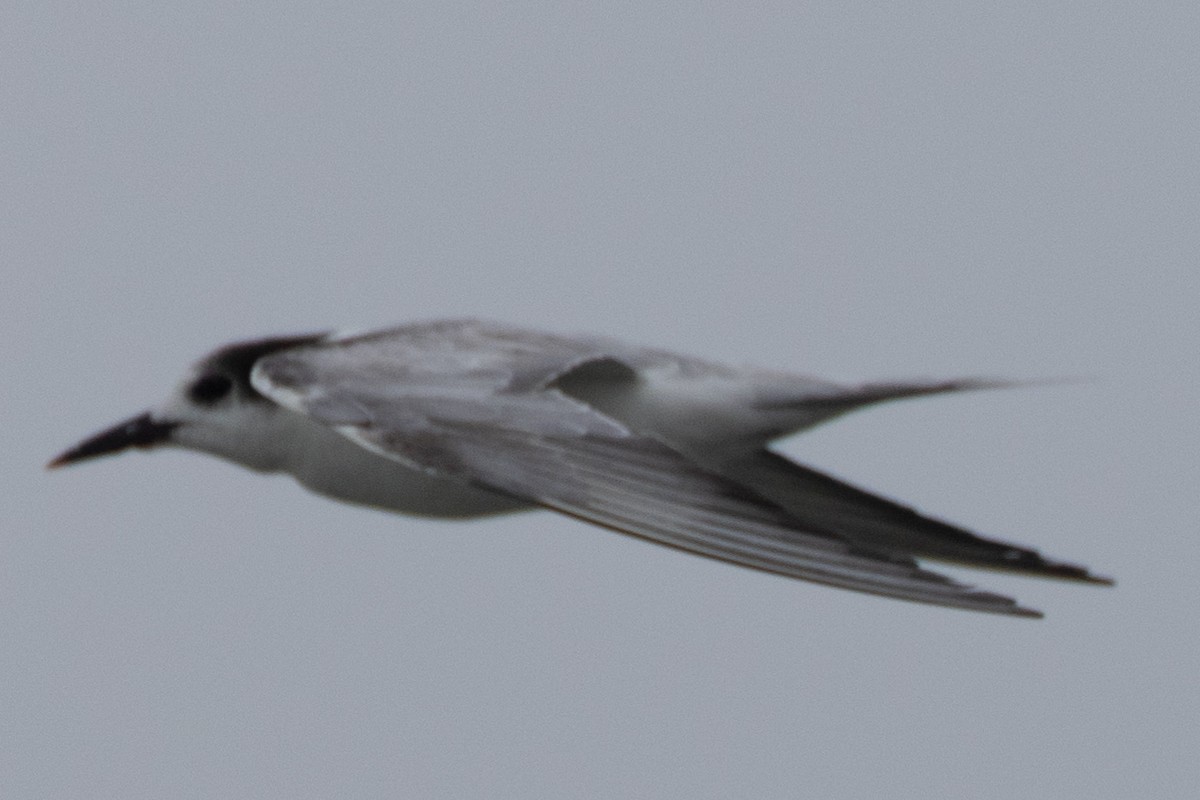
[{"x": 346, "y": 471}]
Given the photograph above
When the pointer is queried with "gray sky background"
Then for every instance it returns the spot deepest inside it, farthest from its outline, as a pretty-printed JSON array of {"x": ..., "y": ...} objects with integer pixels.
[{"x": 856, "y": 190}]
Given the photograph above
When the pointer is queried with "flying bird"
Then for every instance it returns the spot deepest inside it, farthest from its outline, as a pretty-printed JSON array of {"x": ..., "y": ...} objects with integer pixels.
[{"x": 465, "y": 418}]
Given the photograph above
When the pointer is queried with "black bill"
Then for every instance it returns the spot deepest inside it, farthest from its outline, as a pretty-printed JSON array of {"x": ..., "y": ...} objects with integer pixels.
[{"x": 141, "y": 431}]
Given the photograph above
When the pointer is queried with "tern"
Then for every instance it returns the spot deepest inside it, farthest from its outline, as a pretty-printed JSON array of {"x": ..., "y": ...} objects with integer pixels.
[{"x": 466, "y": 418}]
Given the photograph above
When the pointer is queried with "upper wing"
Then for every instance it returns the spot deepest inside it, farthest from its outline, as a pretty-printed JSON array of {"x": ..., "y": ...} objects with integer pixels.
[
  {"x": 877, "y": 523},
  {"x": 474, "y": 410}
]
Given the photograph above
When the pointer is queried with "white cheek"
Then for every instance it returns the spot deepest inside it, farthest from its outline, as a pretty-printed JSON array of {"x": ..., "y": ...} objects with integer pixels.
[{"x": 244, "y": 433}]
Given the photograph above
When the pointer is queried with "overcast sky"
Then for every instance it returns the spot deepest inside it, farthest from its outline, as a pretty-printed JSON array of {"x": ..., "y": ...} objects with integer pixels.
[{"x": 854, "y": 190}]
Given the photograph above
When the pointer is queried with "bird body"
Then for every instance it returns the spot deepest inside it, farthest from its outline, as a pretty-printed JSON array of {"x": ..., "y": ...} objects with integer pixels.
[{"x": 466, "y": 418}]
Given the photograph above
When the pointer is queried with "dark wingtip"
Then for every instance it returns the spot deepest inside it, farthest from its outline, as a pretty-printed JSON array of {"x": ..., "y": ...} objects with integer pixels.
[
  {"x": 1070, "y": 572},
  {"x": 1077, "y": 573}
]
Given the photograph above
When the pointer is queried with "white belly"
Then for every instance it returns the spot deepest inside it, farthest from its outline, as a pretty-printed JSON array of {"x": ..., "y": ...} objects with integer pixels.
[{"x": 337, "y": 467}]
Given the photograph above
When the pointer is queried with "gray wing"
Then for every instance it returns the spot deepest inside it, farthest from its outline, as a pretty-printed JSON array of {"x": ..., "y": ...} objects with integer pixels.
[
  {"x": 472, "y": 413},
  {"x": 875, "y": 522}
]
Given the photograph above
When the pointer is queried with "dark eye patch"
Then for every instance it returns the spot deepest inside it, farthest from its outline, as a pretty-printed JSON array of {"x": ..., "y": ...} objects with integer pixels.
[{"x": 210, "y": 388}]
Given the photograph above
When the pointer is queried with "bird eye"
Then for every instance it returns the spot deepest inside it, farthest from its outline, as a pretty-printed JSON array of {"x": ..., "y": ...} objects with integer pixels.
[{"x": 210, "y": 388}]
